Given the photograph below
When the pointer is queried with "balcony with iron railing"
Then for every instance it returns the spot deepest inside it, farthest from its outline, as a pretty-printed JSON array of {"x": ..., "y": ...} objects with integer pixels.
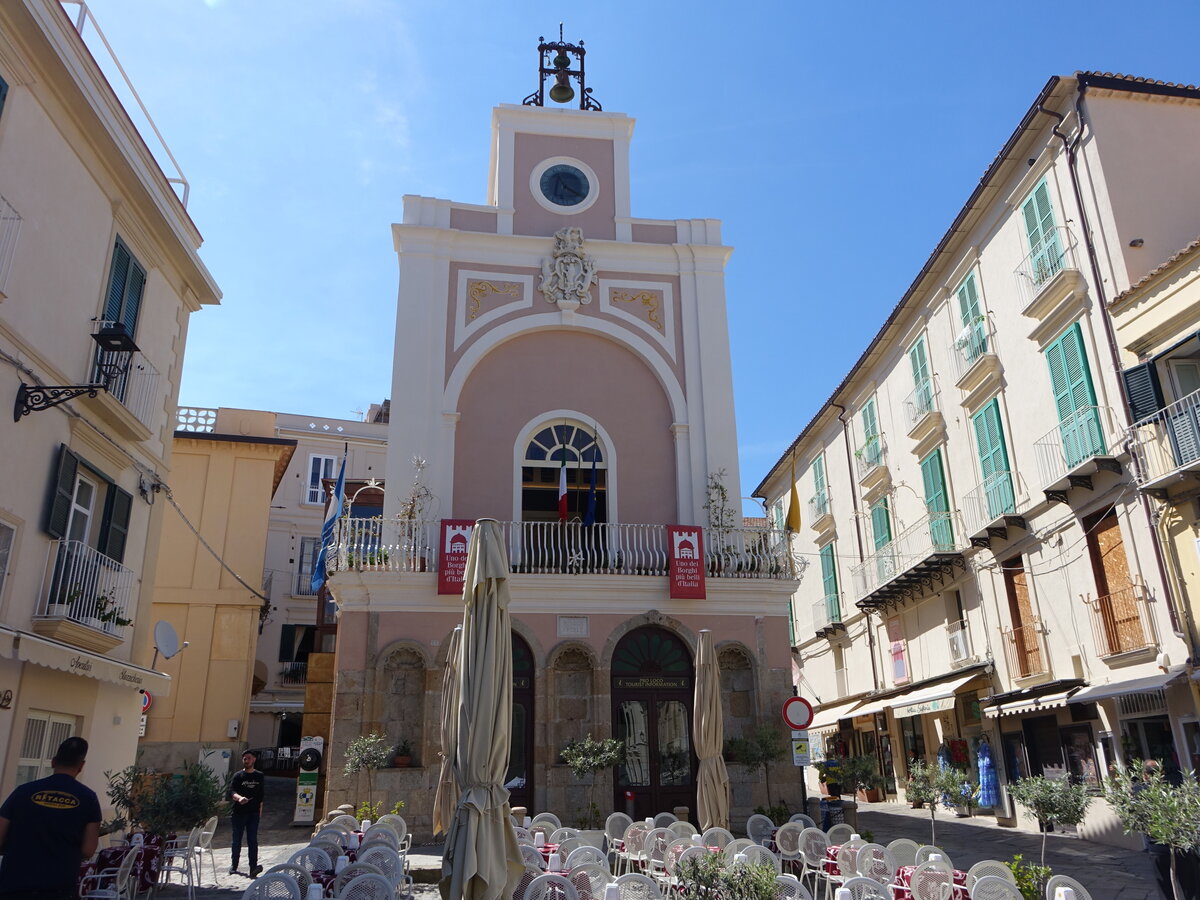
[
  {"x": 905, "y": 565},
  {"x": 827, "y": 615},
  {"x": 958, "y": 638},
  {"x": 1025, "y": 650},
  {"x": 1048, "y": 273},
  {"x": 922, "y": 409},
  {"x": 1070, "y": 453},
  {"x": 1121, "y": 621},
  {"x": 820, "y": 511},
  {"x": 86, "y": 598},
  {"x": 293, "y": 673},
  {"x": 870, "y": 456},
  {"x": 974, "y": 354},
  {"x": 990, "y": 509},
  {"x": 551, "y": 548},
  {"x": 1167, "y": 444},
  {"x": 130, "y": 379}
]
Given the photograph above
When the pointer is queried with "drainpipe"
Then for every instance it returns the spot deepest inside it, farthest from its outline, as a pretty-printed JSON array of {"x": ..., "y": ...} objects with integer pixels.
[
  {"x": 858, "y": 534},
  {"x": 1070, "y": 148}
]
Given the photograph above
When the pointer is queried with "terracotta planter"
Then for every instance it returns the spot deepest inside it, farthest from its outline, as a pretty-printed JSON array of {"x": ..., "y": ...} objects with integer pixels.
[
  {"x": 871, "y": 795},
  {"x": 401, "y": 762}
]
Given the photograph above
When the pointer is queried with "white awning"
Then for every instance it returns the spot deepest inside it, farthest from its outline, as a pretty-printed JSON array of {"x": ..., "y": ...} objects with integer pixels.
[
  {"x": 1031, "y": 704},
  {"x": 1131, "y": 686},
  {"x": 271, "y": 706},
  {"x": 871, "y": 707},
  {"x": 66, "y": 658},
  {"x": 935, "y": 698},
  {"x": 829, "y": 716}
]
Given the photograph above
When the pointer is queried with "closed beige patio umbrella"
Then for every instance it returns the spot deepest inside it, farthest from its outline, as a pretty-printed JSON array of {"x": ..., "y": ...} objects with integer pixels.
[
  {"x": 712, "y": 784},
  {"x": 481, "y": 857},
  {"x": 446, "y": 798}
]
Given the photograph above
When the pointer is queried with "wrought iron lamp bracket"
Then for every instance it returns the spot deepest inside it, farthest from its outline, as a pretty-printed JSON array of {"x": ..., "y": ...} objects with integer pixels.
[{"x": 37, "y": 397}]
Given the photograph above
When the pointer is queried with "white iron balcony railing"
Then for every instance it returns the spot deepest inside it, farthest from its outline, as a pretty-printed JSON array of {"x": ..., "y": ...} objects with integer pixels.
[
  {"x": 572, "y": 548},
  {"x": 135, "y": 385},
  {"x": 194, "y": 418},
  {"x": 1054, "y": 253},
  {"x": 1121, "y": 622},
  {"x": 818, "y": 506},
  {"x": 870, "y": 455},
  {"x": 920, "y": 403},
  {"x": 958, "y": 638},
  {"x": 294, "y": 672},
  {"x": 929, "y": 536},
  {"x": 988, "y": 501},
  {"x": 1085, "y": 434},
  {"x": 83, "y": 584},
  {"x": 1169, "y": 441},
  {"x": 10, "y": 226},
  {"x": 976, "y": 341},
  {"x": 1025, "y": 649},
  {"x": 827, "y": 611}
]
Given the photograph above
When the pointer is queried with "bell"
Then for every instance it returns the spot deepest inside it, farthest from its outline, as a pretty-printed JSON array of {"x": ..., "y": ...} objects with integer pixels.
[
  {"x": 562, "y": 61},
  {"x": 562, "y": 92}
]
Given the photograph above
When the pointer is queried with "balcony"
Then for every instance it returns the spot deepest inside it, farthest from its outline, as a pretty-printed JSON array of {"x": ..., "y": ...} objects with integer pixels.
[
  {"x": 1048, "y": 275},
  {"x": 1121, "y": 622},
  {"x": 133, "y": 398},
  {"x": 1025, "y": 650},
  {"x": 303, "y": 585},
  {"x": 820, "y": 512},
  {"x": 1075, "y": 449},
  {"x": 976, "y": 365},
  {"x": 871, "y": 463},
  {"x": 1167, "y": 445},
  {"x": 294, "y": 673},
  {"x": 990, "y": 509},
  {"x": 922, "y": 412},
  {"x": 553, "y": 548},
  {"x": 86, "y": 598},
  {"x": 909, "y": 563},
  {"x": 827, "y": 616},
  {"x": 958, "y": 638},
  {"x": 194, "y": 418}
]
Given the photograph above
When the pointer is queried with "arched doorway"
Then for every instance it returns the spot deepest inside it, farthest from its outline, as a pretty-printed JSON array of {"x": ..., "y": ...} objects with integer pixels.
[
  {"x": 652, "y": 691},
  {"x": 519, "y": 779}
]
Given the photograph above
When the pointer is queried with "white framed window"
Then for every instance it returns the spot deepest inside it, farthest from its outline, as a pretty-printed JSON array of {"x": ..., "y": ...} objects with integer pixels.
[
  {"x": 44, "y": 731},
  {"x": 319, "y": 468},
  {"x": 554, "y": 447},
  {"x": 8, "y": 535},
  {"x": 309, "y": 546}
]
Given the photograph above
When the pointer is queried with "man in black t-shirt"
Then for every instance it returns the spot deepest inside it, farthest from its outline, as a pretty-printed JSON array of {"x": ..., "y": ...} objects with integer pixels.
[
  {"x": 246, "y": 792},
  {"x": 47, "y": 828}
]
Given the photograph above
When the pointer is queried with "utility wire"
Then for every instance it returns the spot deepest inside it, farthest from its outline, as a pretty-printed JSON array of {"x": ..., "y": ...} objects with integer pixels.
[{"x": 165, "y": 488}]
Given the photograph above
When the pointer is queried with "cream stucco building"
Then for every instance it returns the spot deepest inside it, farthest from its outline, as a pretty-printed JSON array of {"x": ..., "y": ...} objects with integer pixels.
[
  {"x": 551, "y": 327},
  {"x": 985, "y": 568},
  {"x": 93, "y": 239}
]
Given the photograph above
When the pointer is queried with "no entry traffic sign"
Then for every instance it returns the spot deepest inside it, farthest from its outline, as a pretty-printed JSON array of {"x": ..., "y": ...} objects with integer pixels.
[{"x": 797, "y": 713}]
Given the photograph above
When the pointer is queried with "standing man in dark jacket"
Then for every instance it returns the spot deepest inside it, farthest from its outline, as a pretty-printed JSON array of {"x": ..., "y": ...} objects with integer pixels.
[
  {"x": 246, "y": 792},
  {"x": 47, "y": 827}
]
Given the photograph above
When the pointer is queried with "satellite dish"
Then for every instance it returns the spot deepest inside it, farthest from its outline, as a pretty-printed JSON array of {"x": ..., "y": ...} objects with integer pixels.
[{"x": 166, "y": 641}]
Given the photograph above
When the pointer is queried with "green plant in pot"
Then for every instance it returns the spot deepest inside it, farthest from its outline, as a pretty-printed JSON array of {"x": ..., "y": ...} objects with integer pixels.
[
  {"x": 860, "y": 775},
  {"x": 586, "y": 757},
  {"x": 165, "y": 803},
  {"x": 367, "y": 753},
  {"x": 402, "y": 755},
  {"x": 757, "y": 749}
]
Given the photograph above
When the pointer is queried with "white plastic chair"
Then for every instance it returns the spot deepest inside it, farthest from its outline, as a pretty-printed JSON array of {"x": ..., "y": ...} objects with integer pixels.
[
  {"x": 532, "y": 856},
  {"x": 787, "y": 842},
  {"x": 590, "y": 878},
  {"x": 813, "y": 844},
  {"x": 351, "y": 872},
  {"x": 931, "y": 881},
  {"x": 804, "y": 820},
  {"x": 391, "y": 864},
  {"x": 756, "y": 854},
  {"x": 994, "y": 887},
  {"x": 839, "y": 833},
  {"x": 1057, "y": 881},
  {"x": 368, "y": 887},
  {"x": 632, "y": 854},
  {"x": 112, "y": 883},
  {"x": 384, "y": 833},
  {"x": 204, "y": 847},
  {"x": 591, "y": 837},
  {"x": 717, "y": 837},
  {"x": 861, "y": 888},
  {"x": 877, "y": 863},
  {"x": 333, "y": 834},
  {"x": 905, "y": 851},
  {"x": 179, "y": 858},
  {"x": 561, "y": 834},
  {"x": 547, "y": 819},
  {"x": 525, "y": 881},
  {"x": 684, "y": 829},
  {"x": 789, "y": 887},
  {"x": 664, "y": 819},
  {"x": 847, "y": 867},
  {"x": 551, "y": 887},
  {"x": 567, "y": 845},
  {"x": 759, "y": 828},
  {"x": 332, "y": 849},
  {"x": 586, "y": 854},
  {"x": 401, "y": 827},
  {"x": 654, "y": 851},
  {"x": 614, "y": 829},
  {"x": 523, "y": 835},
  {"x": 676, "y": 862},
  {"x": 733, "y": 848},
  {"x": 635, "y": 886},
  {"x": 274, "y": 886},
  {"x": 301, "y": 874},
  {"x": 348, "y": 821},
  {"x": 311, "y": 859},
  {"x": 987, "y": 867},
  {"x": 926, "y": 851}
]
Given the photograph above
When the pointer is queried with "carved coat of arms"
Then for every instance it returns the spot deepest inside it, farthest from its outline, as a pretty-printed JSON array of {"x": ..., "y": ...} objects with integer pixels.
[{"x": 569, "y": 272}]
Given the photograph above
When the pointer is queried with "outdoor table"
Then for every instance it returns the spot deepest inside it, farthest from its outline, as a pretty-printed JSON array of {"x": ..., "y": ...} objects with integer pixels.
[
  {"x": 547, "y": 850},
  {"x": 830, "y": 865},
  {"x": 900, "y": 889},
  {"x": 145, "y": 870}
]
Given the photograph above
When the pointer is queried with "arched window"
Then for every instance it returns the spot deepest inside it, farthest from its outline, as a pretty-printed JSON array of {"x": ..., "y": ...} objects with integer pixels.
[{"x": 552, "y": 448}]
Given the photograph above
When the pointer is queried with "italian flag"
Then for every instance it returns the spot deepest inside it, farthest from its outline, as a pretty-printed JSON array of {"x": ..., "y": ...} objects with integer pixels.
[{"x": 562, "y": 487}]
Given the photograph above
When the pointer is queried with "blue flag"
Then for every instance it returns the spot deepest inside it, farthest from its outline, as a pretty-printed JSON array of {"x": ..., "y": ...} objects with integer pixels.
[{"x": 331, "y": 517}]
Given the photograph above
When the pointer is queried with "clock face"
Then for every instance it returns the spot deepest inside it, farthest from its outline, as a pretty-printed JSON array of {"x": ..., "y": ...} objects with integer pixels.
[{"x": 564, "y": 185}]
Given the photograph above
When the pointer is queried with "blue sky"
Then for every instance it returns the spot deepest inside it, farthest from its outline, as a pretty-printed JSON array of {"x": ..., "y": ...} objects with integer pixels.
[{"x": 835, "y": 141}]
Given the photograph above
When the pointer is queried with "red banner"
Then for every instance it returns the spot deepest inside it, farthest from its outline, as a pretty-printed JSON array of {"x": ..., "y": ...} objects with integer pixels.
[
  {"x": 685, "y": 543},
  {"x": 455, "y": 539}
]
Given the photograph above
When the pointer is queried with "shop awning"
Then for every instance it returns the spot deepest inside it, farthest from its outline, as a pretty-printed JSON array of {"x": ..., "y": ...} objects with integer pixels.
[
  {"x": 935, "y": 698},
  {"x": 871, "y": 707},
  {"x": 1029, "y": 704},
  {"x": 271, "y": 706},
  {"x": 1131, "y": 686},
  {"x": 66, "y": 658},
  {"x": 829, "y": 716}
]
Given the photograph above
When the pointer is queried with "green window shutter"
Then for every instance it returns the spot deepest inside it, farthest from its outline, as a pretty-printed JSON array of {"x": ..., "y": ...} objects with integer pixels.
[
  {"x": 828, "y": 571},
  {"x": 968, "y": 300},
  {"x": 919, "y": 360},
  {"x": 1143, "y": 390},
  {"x": 3, "y": 93},
  {"x": 937, "y": 501},
  {"x": 870, "y": 421},
  {"x": 993, "y": 460},
  {"x": 62, "y": 493},
  {"x": 1070, "y": 378},
  {"x": 126, "y": 284},
  {"x": 287, "y": 642},
  {"x": 881, "y": 523},
  {"x": 1045, "y": 252},
  {"x": 133, "y": 297},
  {"x": 818, "y": 472},
  {"x": 114, "y": 531}
]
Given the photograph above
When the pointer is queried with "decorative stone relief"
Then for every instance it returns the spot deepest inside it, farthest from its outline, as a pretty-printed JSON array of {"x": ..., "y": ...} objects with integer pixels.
[
  {"x": 569, "y": 273},
  {"x": 478, "y": 289}
]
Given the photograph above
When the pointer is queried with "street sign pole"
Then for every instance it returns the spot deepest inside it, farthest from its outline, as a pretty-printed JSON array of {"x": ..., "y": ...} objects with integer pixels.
[{"x": 798, "y": 715}]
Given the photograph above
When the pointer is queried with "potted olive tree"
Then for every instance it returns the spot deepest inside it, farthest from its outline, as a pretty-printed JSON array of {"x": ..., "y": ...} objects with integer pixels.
[
  {"x": 165, "y": 803},
  {"x": 1051, "y": 801},
  {"x": 586, "y": 757},
  {"x": 368, "y": 753}
]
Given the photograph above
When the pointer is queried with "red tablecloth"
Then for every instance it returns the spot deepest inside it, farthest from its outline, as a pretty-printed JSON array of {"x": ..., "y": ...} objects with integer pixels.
[
  {"x": 547, "y": 849},
  {"x": 145, "y": 870},
  {"x": 900, "y": 889}
]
